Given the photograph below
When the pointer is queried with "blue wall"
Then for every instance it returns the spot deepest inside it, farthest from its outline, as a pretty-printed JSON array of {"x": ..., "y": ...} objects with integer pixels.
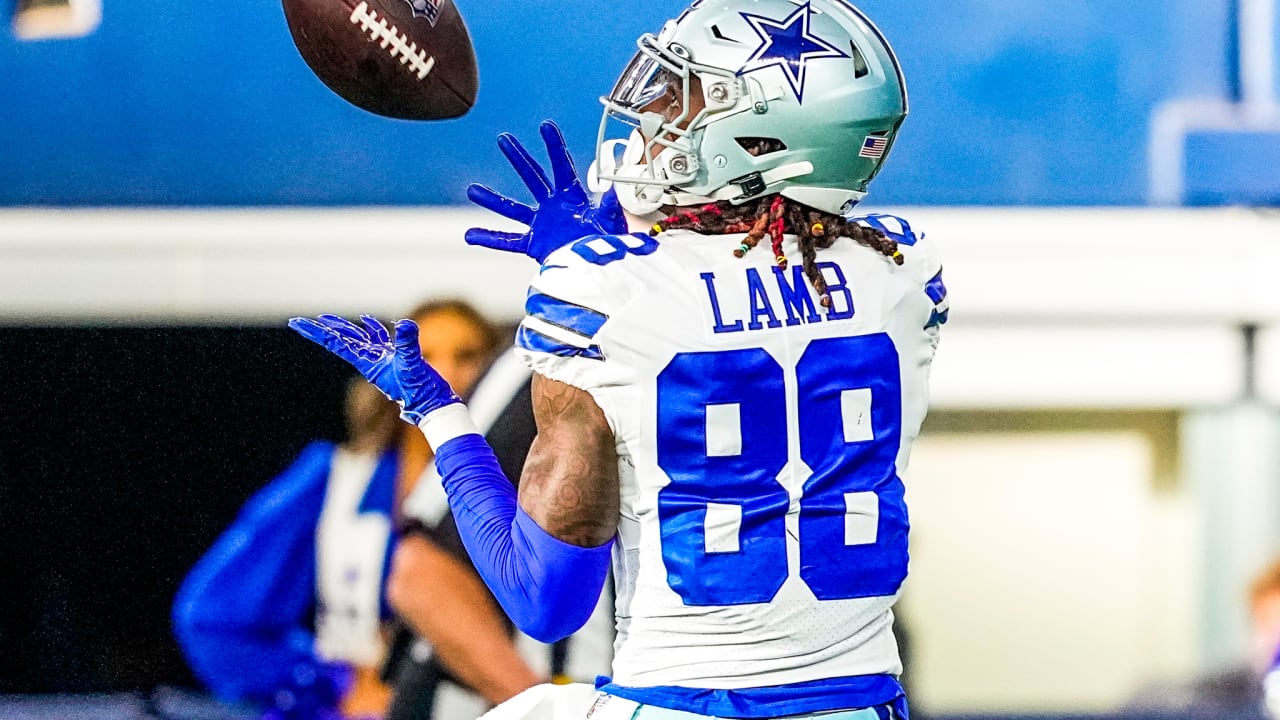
[{"x": 181, "y": 103}]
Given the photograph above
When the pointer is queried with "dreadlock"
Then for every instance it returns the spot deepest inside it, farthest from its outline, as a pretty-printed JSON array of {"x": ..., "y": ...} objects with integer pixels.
[{"x": 774, "y": 216}]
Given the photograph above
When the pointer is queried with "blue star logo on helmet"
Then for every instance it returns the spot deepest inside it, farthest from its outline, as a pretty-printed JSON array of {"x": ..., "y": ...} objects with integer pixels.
[
  {"x": 789, "y": 45},
  {"x": 429, "y": 9}
]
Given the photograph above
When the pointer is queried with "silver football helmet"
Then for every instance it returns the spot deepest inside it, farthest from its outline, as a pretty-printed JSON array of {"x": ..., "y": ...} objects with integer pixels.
[{"x": 738, "y": 99}]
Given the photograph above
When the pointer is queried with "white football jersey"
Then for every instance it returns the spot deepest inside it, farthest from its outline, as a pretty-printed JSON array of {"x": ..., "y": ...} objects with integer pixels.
[{"x": 761, "y": 439}]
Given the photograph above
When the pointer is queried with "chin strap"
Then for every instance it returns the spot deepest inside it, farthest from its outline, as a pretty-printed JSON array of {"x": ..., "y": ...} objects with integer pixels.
[
  {"x": 642, "y": 199},
  {"x": 646, "y": 198},
  {"x": 744, "y": 188}
]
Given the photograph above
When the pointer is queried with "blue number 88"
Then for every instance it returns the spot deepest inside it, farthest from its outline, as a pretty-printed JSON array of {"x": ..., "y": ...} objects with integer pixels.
[{"x": 723, "y": 514}]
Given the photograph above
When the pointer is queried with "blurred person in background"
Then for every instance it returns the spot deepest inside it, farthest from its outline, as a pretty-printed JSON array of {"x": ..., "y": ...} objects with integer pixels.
[
  {"x": 1264, "y": 611},
  {"x": 445, "y": 609},
  {"x": 288, "y": 608},
  {"x": 285, "y": 610},
  {"x": 464, "y": 342},
  {"x": 460, "y": 654},
  {"x": 1247, "y": 691}
]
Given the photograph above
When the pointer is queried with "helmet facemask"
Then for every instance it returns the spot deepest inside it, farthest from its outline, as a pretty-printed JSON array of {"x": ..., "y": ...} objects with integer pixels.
[{"x": 664, "y": 100}]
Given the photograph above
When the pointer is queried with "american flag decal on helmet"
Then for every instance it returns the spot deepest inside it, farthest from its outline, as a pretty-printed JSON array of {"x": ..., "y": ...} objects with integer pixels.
[{"x": 874, "y": 146}]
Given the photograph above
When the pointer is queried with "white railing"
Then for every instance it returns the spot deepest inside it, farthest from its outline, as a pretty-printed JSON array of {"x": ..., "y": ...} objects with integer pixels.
[{"x": 1051, "y": 307}]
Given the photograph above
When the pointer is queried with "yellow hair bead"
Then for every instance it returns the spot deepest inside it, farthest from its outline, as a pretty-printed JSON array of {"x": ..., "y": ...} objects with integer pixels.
[
  {"x": 817, "y": 229},
  {"x": 657, "y": 228}
]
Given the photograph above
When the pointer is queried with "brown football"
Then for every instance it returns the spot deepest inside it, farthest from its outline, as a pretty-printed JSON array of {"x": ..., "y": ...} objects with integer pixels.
[{"x": 408, "y": 59}]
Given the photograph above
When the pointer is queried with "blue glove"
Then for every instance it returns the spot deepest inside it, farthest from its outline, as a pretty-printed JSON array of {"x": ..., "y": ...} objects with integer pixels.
[
  {"x": 563, "y": 212},
  {"x": 397, "y": 369}
]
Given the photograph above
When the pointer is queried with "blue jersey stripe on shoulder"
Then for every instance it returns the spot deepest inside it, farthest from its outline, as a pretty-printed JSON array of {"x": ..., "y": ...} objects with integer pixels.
[
  {"x": 937, "y": 318},
  {"x": 936, "y": 291},
  {"x": 535, "y": 341},
  {"x": 573, "y": 317},
  {"x": 876, "y": 220}
]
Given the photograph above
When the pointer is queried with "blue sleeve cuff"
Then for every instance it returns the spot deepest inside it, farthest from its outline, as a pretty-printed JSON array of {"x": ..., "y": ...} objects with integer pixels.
[{"x": 548, "y": 587}]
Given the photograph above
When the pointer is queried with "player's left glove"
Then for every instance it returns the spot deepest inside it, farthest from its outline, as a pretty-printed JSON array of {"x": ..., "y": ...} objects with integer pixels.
[
  {"x": 563, "y": 212},
  {"x": 396, "y": 368}
]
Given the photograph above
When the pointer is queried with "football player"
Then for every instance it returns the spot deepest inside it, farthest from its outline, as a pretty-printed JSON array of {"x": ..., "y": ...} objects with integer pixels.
[{"x": 726, "y": 424}]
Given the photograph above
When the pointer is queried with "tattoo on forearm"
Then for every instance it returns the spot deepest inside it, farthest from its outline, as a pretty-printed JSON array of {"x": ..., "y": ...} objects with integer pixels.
[{"x": 570, "y": 480}]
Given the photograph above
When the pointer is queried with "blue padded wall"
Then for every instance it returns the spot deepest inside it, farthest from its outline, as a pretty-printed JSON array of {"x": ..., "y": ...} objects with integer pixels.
[{"x": 176, "y": 103}]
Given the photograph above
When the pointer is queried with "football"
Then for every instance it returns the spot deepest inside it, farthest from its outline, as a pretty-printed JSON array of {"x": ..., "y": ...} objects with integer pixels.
[{"x": 407, "y": 59}]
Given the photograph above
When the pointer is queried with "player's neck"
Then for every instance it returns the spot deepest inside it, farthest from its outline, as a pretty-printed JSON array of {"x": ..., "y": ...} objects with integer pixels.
[{"x": 641, "y": 223}]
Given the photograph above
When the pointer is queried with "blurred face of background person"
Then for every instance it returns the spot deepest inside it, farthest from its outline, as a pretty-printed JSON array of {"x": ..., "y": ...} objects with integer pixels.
[{"x": 457, "y": 341}]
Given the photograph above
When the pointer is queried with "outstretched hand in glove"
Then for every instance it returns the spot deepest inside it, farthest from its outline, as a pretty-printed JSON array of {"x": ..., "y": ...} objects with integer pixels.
[
  {"x": 394, "y": 367},
  {"x": 562, "y": 211}
]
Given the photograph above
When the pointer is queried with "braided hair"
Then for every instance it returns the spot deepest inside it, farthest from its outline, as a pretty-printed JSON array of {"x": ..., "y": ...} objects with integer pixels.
[{"x": 775, "y": 216}]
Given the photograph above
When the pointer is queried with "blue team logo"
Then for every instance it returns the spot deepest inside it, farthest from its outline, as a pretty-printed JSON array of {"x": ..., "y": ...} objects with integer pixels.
[
  {"x": 788, "y": 44},
  {"x": 429, "y": 9}
]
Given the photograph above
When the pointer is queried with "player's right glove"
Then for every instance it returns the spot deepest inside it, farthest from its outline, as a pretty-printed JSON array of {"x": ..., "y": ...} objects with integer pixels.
[
  {"x": 397, "y": 369},
  {"x": 562, "y": 213}
]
